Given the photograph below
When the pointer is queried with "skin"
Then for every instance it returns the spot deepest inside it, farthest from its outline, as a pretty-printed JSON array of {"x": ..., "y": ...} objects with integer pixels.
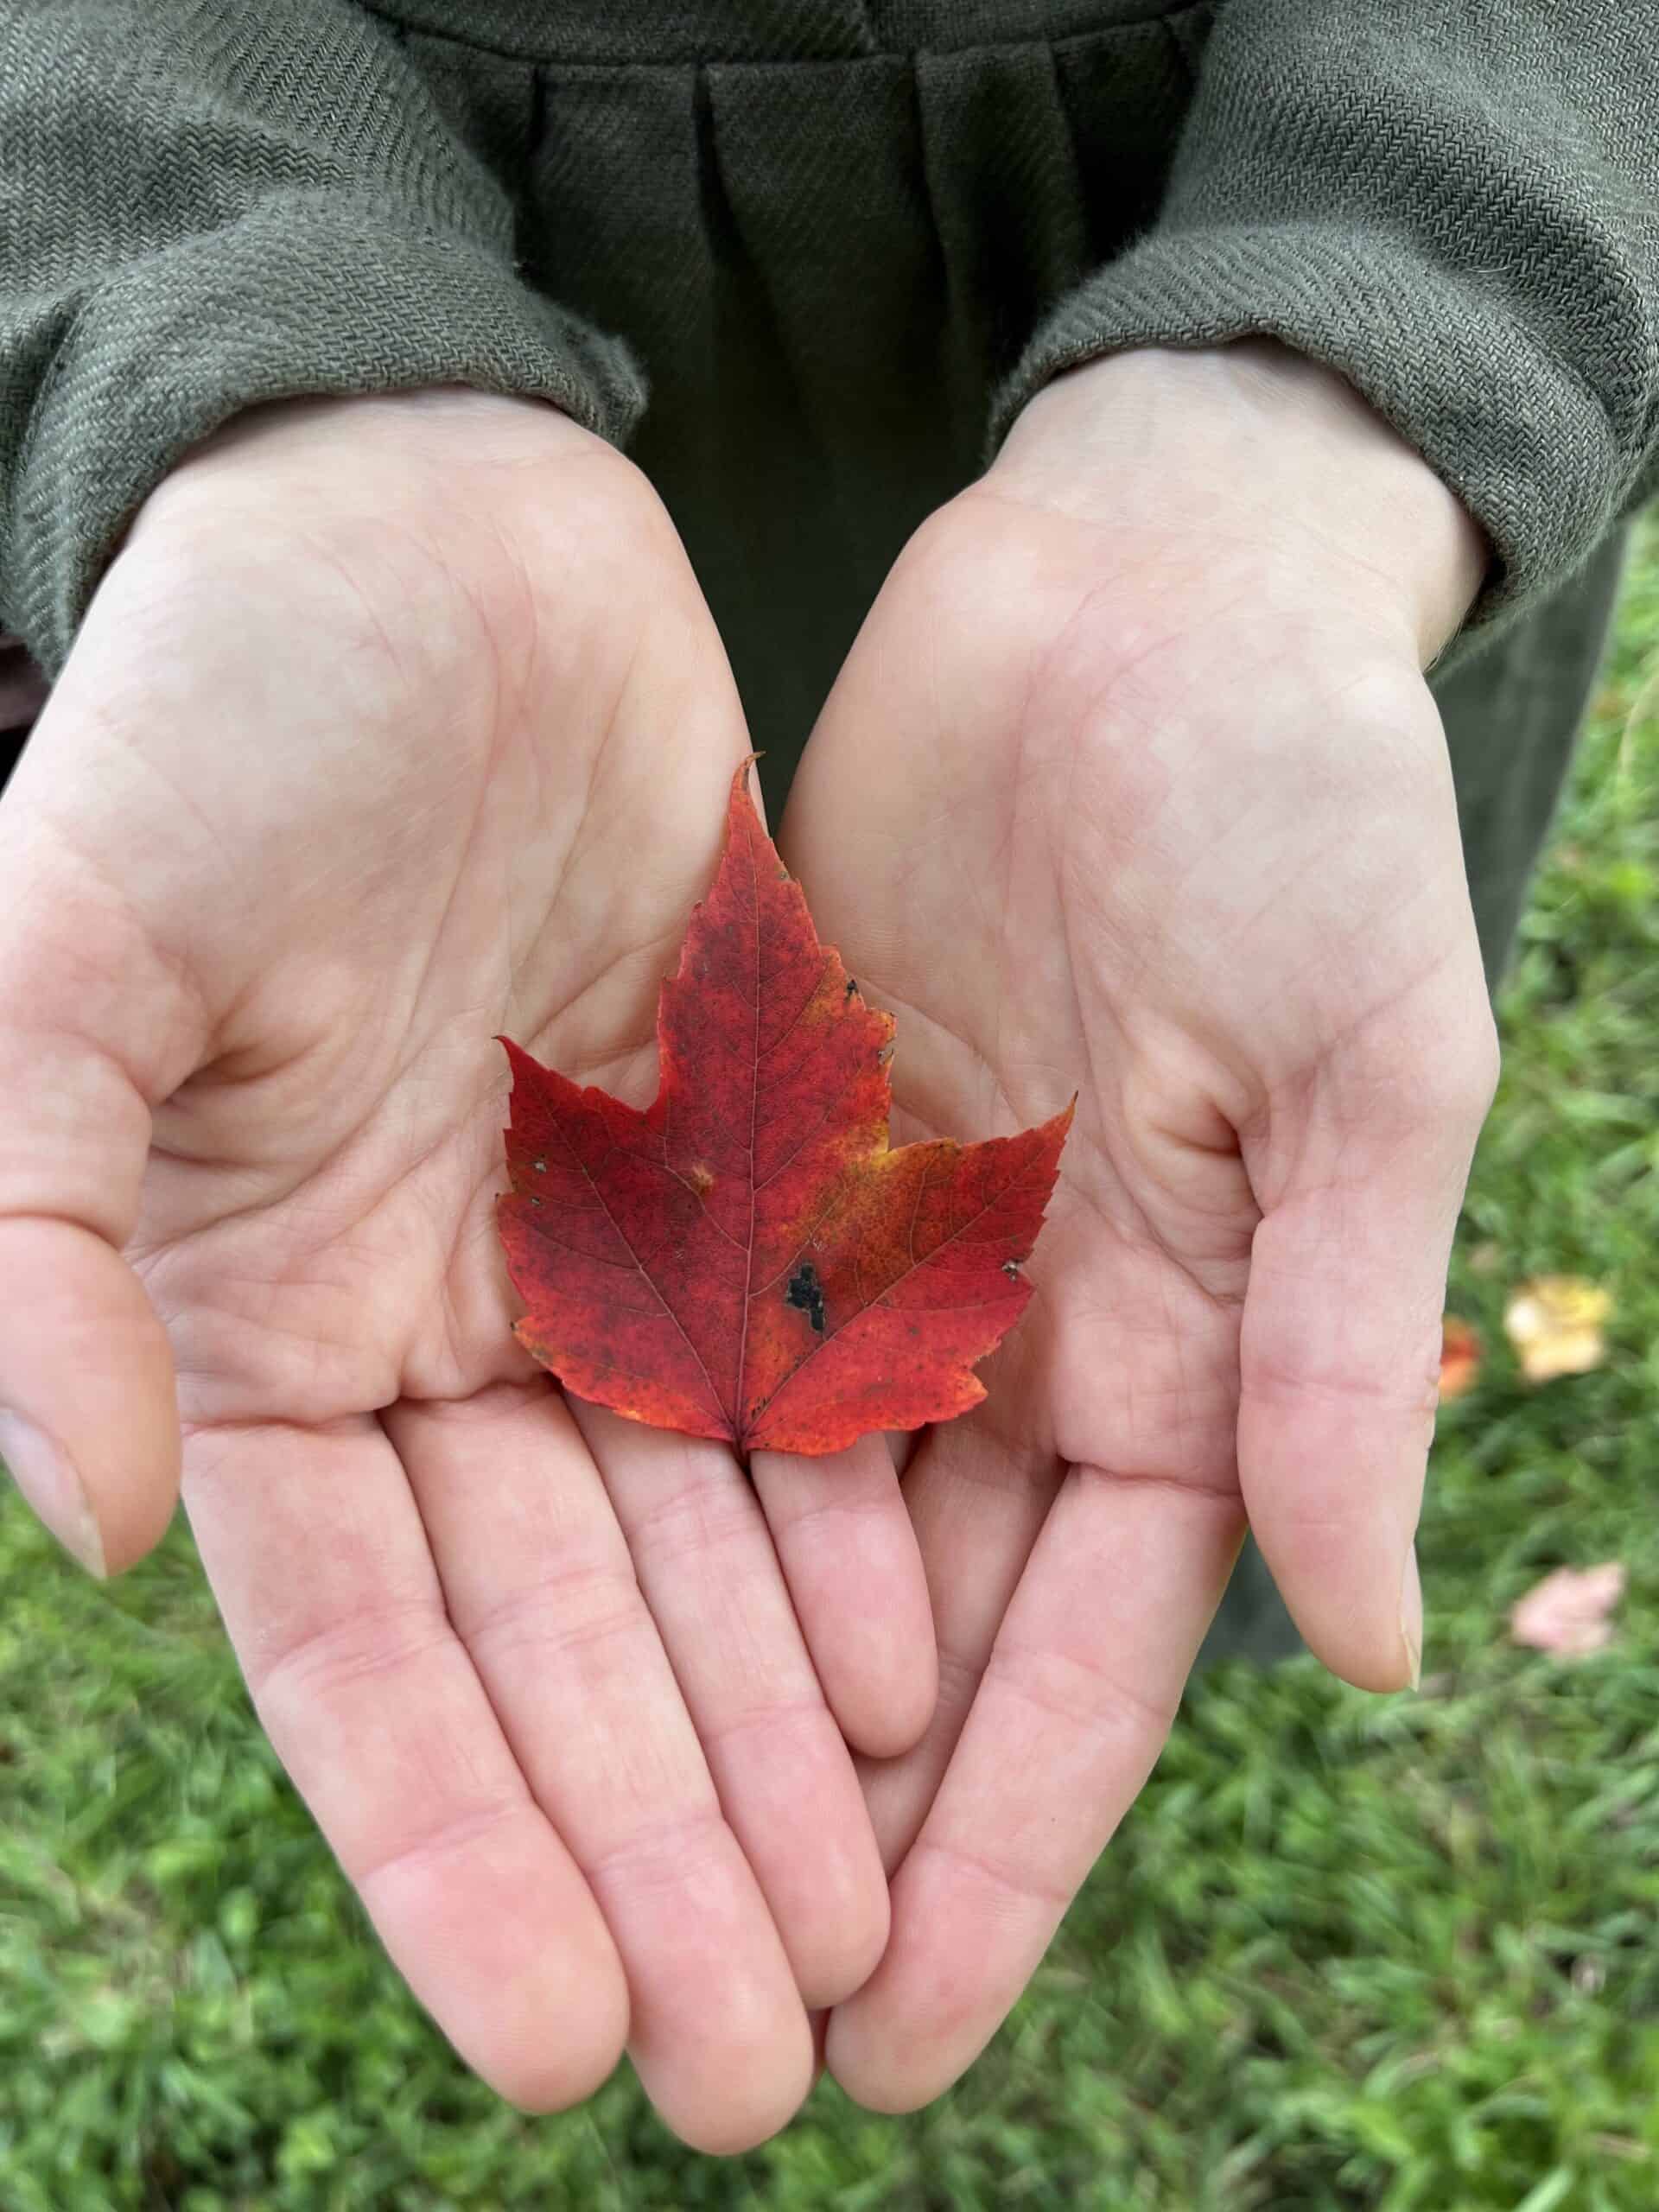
[
  {"x": 1132, "y": 786},
  {"x": 397, "y": 724}
]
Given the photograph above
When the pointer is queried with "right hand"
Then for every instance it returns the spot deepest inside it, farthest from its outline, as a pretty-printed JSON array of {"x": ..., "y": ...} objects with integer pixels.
[{"x": 398, "y": 723}]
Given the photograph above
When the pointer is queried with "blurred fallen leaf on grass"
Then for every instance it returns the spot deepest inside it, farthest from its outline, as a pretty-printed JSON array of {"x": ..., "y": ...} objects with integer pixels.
[
  {"x": 1460, "y": 1352},
  {"x": 1566, "y": 1612},
  {"x": 1555, "y": 1325}
]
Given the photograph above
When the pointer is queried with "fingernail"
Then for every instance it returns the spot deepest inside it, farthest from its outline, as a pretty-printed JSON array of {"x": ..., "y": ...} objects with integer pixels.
[
  {"x": 52, "y": 1487},
  {"x": 1411, "y": 1617}
]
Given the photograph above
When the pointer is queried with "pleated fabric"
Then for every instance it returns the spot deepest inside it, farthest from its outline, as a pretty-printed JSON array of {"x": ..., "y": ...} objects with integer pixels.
[{"x": 824, "y": 232}]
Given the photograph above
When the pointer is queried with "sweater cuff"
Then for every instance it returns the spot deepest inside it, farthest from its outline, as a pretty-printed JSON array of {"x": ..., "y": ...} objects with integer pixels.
[
  {"x": 1439, "y": 361},
  {"x": 309, "y": 294}
]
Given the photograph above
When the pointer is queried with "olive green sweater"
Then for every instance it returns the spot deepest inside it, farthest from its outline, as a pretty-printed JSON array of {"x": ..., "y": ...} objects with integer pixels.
[{"x": 846, "y": 238}]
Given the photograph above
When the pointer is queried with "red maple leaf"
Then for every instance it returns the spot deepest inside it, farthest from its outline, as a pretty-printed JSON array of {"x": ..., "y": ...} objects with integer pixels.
[{"x": 748, "y": 1259}]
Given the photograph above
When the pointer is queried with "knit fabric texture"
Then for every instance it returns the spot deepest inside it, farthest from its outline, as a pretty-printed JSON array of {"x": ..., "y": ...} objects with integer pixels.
[
  {"x": 1456, "y": 207},
  {"x": 207, "y": 206},
  {"x": 860, "y": 217}
]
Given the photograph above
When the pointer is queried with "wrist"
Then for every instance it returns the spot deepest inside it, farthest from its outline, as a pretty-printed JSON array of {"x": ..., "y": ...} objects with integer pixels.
[
  {"x": 446, "y": 455},
  {"x": 1270, "y": 450}
]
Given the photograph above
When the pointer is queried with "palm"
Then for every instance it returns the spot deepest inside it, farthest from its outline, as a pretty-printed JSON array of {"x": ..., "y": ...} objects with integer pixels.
[
  {"x": 320, "y": 1210},
  {"x": 373, "y": 783},
  {"x": 1076, "y": 870}
]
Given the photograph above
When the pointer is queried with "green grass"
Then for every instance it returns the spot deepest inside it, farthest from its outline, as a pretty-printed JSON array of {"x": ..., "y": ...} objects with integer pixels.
[{"x": 1397, "y": 1955}]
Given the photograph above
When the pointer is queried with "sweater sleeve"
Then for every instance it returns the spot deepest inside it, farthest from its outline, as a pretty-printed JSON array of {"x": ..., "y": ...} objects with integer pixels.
[
  {"x": 1457, "y": 208},
  {"x": 204, "y": 206}
]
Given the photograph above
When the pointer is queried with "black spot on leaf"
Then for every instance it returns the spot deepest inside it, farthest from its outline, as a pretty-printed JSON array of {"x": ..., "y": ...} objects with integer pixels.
[{"x": 806, "y": 1294}]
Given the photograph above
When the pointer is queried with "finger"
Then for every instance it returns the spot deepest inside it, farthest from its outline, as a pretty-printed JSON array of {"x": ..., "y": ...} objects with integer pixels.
[
  {"x": 320, "y": 1564},
  {"x": 1339, "y": 1356},
  {"x": 1077, "y": 1699},
  {"x": 91, "y": 1029},
  {"x": 976, "y": 1502},
  {"x": 1141, "y": 1377},
  {"x": 705, "y": 1561},
  {"x": 539, "y": 1583},
  {"x": 854, "y": 1569},
  {"x": 87, "y": 1422}
]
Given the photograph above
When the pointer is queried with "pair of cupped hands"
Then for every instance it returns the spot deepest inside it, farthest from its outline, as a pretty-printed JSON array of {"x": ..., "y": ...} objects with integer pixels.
[{"x": 399, "y": 722}]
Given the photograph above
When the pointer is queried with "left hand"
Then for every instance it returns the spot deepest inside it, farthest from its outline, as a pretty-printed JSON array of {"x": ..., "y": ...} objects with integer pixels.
[{"x": 1132, "y": 786}]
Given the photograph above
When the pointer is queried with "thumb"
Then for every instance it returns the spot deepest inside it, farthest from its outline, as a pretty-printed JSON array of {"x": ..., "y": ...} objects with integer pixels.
[
  {"x": 1339, "y": 1350},
  {"x": 90, "y": 1018}
]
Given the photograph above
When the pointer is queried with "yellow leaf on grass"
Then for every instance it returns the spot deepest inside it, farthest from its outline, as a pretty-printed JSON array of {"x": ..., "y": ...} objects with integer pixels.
[
  {"x": 1555, "y": 1325},
  {"x": 1461, "y": 1351}
]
